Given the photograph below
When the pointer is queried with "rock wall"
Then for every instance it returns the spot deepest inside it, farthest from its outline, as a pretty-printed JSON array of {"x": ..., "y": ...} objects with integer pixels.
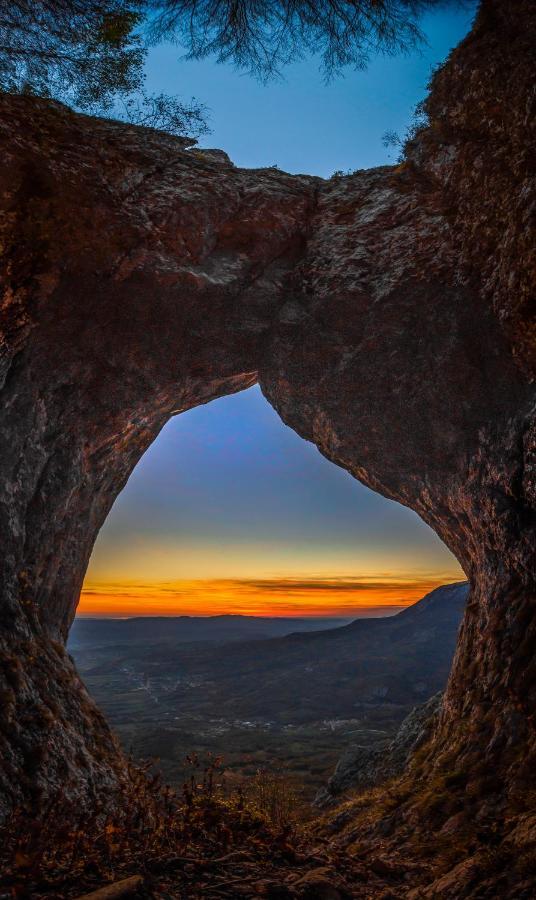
[
  {"x": 386, "y": 316},
  {"x": 140, "y": 279}
]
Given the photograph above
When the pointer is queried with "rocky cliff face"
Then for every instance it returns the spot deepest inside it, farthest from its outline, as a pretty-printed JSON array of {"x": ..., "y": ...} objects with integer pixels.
[
  {"x": 387, "y": 318},
  {"x": 363, "y": 766}
]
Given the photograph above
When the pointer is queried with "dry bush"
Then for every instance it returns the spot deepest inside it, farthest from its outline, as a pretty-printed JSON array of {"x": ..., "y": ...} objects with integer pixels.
[
  {"x": 64, "y": 852},
  {"x": 274, "y": 797}
]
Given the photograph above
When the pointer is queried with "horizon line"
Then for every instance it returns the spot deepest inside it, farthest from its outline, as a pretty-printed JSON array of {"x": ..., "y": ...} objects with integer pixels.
[
  {"x": 361, "y": 612},
  {"x": 339, "y": 597}
]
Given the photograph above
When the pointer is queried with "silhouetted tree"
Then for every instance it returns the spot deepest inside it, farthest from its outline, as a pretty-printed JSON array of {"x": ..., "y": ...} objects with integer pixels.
[
  {"x": 89, "y": 54},
  {"x": 263, "y": 36},
  {"x": 86, "y": 51}
]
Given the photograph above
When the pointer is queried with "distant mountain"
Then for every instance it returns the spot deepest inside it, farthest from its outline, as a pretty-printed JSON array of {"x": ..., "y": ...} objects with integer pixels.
[
  {"x": 431, "y": 622},
  {"x": 87, "y": 632},
  {"x": 393, "y": 663}
]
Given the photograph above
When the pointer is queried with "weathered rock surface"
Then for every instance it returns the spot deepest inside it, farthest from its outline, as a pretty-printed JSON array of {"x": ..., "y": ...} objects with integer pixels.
[{"x": 387, "y": 316}]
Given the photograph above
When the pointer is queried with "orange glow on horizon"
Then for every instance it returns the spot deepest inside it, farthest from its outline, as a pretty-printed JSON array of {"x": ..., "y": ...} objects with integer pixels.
[{"x": 308, "y": 596}]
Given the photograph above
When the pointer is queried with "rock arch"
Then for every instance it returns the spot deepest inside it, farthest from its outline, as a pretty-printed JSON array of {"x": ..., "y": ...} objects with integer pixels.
[{"x": 386, "y": 316}]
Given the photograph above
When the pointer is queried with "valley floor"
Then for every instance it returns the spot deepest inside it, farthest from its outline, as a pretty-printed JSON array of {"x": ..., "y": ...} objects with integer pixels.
[{"x": 287, "y": 705}]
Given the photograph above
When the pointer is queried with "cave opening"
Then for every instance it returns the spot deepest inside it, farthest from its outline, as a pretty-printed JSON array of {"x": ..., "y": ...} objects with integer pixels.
[
  {"x": 232, "y": 533},
  {"x": 227, "y": 491}
]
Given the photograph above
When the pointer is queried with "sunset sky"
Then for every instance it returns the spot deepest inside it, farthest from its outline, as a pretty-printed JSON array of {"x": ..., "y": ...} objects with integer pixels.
[{"x": 229, "y": 510}]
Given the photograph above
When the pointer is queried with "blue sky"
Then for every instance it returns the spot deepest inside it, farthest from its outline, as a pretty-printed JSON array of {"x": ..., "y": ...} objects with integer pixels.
[
  {"x": 227, "y": 491},
  {"x": 300, "y": 123}
]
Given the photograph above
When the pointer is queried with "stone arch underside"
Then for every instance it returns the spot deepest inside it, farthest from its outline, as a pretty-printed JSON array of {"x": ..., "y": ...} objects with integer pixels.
[{"x": 143, "y": 277}]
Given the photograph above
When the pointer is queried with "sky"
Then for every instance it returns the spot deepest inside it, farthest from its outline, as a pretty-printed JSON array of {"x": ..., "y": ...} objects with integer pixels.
[{"x": 229, "y": 511}]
